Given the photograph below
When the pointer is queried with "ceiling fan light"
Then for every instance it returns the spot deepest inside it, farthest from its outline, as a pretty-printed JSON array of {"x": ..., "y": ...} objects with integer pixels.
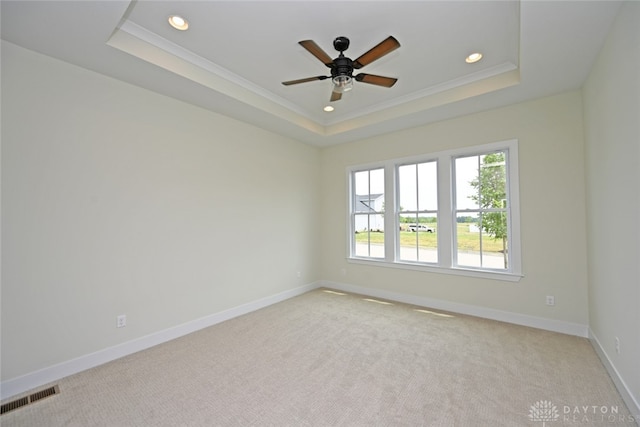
[
  {"x": 342, "y": 84},
  {"x": 178, "y": 22}
]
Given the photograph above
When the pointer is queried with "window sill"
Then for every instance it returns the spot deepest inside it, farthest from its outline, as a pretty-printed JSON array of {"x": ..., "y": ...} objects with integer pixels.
[{"x": 456, "y": 271}]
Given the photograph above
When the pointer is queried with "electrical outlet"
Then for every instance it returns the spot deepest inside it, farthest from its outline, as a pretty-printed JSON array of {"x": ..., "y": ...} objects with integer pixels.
[
  {"x": 299, "y": 274},
  {"x": 121, "y": 321},
  {"x": 617, "y": 345},
  {"x": 551, "y": 300}
]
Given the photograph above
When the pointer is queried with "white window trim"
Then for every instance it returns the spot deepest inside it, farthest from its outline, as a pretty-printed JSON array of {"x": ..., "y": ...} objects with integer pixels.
[{"x": 445, "y": 214}]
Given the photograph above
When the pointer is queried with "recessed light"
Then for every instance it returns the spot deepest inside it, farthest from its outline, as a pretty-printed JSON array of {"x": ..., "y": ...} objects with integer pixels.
[
  {"x": 178, "y": 22},
  {"x": 474, "y": 57},
  {"x": 328, "y": 108}
]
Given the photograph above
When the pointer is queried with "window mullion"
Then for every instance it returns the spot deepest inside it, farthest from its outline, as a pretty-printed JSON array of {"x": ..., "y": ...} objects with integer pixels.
[
  {"x": 390, "y": 212},
  {"x": 481, "y": 211},
  {"x": 417, "y": 219},
  {"x": 513, "y": 202},
  {"x": 369, "y": 214},
  {"x": 446, "y": 231}
]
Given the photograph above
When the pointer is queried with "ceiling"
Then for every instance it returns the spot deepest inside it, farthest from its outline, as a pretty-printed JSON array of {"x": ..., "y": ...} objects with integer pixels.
[{"x": 235, "y": 55}]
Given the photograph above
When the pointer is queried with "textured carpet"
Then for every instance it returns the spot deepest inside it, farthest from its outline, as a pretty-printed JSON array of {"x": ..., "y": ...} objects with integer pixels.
[{"x": 331, "y": 359}]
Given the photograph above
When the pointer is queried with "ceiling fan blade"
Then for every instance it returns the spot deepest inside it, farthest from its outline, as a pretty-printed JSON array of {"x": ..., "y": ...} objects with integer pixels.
[
  {"x": 308, "y": 79},
  {"x": 376, "y": 80},
  {"x": 335, "y": 96},
  {"x": 317, "y": 51},
  {"x": 381, "y": 49}
]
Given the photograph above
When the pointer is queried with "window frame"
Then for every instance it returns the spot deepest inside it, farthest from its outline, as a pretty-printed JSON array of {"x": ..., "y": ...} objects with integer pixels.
[
  {"x": 354, "y": 213},
  {"x": 446, "y": 221},
  {"x": 418, "y": 211},
  {"x": 480, "y": 211}
]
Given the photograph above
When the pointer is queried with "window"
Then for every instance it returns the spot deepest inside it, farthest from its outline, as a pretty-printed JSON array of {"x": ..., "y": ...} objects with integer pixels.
[
  {"x": 367, "y": 210},
  {"x": 418, "y": 212},
  {"x": 481, "y": 211},
  {"x": 454, "y": 211}
]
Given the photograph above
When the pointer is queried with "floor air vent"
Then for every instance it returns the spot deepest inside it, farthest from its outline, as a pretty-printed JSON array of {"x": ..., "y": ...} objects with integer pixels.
[{"x": 24, "y": 401}]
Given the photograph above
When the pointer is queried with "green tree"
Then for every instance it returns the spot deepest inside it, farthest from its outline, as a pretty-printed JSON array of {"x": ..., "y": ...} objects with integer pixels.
[{"x": 491, "y": 194}]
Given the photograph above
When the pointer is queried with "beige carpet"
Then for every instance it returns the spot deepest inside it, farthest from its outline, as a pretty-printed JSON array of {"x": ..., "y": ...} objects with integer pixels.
[{"x": 330, "y": 359}]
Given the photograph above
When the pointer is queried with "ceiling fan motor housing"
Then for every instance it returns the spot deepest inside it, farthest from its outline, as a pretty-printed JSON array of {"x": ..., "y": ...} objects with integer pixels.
[{"x": 342, "y": 66}]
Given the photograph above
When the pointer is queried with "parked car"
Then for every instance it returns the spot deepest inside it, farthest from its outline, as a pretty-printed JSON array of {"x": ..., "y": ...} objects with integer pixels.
[{"x": 421, "y": 227}]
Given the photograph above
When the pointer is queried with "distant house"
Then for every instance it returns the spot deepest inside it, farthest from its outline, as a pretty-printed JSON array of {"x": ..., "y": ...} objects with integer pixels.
[{"x": 369, "y": 203}]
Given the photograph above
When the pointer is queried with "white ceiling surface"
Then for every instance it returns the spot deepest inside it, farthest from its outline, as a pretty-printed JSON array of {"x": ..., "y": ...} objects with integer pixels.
[{"x": 235, "y": 55}]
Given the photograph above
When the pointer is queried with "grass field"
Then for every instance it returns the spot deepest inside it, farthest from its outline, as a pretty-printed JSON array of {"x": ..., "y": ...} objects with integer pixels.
[{"x": 467, "y": 240}]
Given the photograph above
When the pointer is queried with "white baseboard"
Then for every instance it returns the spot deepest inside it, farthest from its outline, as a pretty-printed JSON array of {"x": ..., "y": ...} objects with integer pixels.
[
  {"x": 53, "y": 373},
  {"x": 487, "y": 313},
  {"x": 631, "y": 402}
]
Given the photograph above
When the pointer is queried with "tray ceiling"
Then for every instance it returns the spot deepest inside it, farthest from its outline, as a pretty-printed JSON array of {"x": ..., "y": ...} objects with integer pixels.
[{"x": 235, "y": 55}]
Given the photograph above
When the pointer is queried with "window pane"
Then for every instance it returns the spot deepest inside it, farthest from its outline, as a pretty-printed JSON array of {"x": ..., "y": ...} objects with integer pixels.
[
  {"x": 407, "y": 185},
  {"x": 494, "y": 240},
  {"x": 369, "y": 191},
  {"x": 407, "y": 219},
  {"x": 408, "y": 239},
  {"x": 418, "y": 239},
  {"x": 361, "y": 223},
  {"x": 427, "y": 186},
  {"x": 468, "y": 240},
  {"x": 427, "y": 238},
  {"x": 376, "y": 181},
  {"x": 466, "y": 173},
  {"x": 369, "y": 242},
  {"x": 361, "y": 247},
  {"x": 361, "y": 182},
  {"x": 418, "y": 185},
  {"x": 492, "y": 181},
  {"x": 376, "y": 236}
]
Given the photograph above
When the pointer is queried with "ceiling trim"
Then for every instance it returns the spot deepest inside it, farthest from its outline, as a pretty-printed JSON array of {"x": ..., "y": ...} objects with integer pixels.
[
  {"x": 457, "y": 93},
  {"x": 148, "y": 46},
  {"x": 480, "y": 77},
  {"x": 144, "y": 44}
]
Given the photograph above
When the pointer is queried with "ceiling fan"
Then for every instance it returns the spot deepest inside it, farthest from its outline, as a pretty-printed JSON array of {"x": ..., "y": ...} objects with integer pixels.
[{"x": 342, "y": 67}]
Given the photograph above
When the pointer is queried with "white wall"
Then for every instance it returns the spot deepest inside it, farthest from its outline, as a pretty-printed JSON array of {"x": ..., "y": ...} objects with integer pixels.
[
  {"x": 612, "y": 137},
  {"x": 118, "y": 200},
  {"x": 552, "y": 194}
]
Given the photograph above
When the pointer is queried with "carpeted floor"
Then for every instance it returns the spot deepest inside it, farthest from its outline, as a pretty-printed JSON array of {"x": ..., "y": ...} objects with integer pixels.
[{"x": 330, "y": 359}]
